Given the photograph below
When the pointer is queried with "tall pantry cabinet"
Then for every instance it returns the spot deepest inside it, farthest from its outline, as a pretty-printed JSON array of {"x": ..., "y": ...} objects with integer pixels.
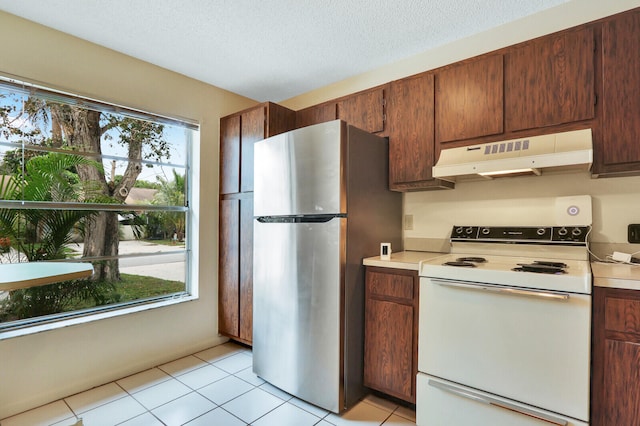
[{"x": 238, "y": 133}]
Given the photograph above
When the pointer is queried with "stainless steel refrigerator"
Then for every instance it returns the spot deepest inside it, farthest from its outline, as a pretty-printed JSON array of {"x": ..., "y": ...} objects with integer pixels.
[{"x": 321, "y": 205}]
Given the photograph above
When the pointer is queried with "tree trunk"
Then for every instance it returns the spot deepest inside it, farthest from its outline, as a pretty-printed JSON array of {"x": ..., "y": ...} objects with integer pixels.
[
  {"x": 83, "y": 133},
  {"x": 101, "y": 231}
]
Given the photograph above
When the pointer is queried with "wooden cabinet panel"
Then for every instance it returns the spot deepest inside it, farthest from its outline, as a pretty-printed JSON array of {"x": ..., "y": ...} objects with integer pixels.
[
  {"x": 316, "y": 114},
  {"x": 616, "y": 357},
  {"x": 252, "y": 130},
  {"x": 411, "y": 143},
  {"x": 621, "y": 381},
  {"x": 390, "y": 285},
  {"x": 228, "y": 318},
  {"x": 620, "y": 150},
  {"x": 391, "y": 331},
  {"x": 550, "y": 81},
  {"x": 246, "y": 270},
  {"x": 388, "y": 336},
  {"x": 469, "y": 100},
  {"x": 622, "y": 315},
  {"x": 229, "y": 154},
  {"x": 364, "y": 110}
]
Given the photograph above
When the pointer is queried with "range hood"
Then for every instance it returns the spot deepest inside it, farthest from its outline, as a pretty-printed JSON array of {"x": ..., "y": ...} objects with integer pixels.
[{"x": 533, "y": 155}]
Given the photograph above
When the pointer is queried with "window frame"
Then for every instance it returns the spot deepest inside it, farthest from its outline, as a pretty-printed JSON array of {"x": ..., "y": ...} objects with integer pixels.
[{"x": 190, "y": 292}]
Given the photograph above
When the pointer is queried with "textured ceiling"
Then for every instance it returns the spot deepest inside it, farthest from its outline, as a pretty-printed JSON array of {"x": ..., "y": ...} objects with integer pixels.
[{"x": 273, "y": 49}]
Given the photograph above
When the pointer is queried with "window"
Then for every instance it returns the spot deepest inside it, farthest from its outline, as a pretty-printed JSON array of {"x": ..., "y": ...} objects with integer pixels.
[{"x": 86, "y": 182}]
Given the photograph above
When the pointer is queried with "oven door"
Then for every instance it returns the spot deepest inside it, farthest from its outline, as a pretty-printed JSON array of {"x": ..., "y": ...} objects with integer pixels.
[
  {"x": 444, "y": 403},
  {"x": 526, "y": 345}
]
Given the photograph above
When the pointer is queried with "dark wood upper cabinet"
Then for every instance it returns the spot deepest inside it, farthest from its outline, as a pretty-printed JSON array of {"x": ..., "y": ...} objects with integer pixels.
[
  {"x": 618, "y": 153},
  {"x": 411, "y": 132},
  {"x": 469, "y": 100},
  {"x": 230, "y": 154},
  {"x": 364, "y": 110},
  {"x": 252, "y": 131},
  {"x": 550, "y": 81},
  {"x": 316, "y": 114}
]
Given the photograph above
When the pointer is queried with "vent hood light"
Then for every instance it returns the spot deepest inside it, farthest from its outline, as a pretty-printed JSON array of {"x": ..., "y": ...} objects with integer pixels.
[
  {"x": 534, "y": 155},
  {"x": 518, "y": 172}
]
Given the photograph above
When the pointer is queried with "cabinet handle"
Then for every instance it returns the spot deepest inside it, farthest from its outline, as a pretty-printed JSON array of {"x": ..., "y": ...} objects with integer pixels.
[
  {"x": 562, "y": 297},
  {"x": 468, "y": 394}
]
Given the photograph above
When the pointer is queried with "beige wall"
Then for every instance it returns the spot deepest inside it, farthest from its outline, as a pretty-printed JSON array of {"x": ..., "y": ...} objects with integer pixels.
[
  {"x": 616, "y": 202},
  {"x": 42, "y": 367}
]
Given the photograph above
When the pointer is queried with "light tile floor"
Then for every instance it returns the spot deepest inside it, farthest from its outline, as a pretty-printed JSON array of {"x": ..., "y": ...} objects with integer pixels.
[{"x": 212, "y": 387}]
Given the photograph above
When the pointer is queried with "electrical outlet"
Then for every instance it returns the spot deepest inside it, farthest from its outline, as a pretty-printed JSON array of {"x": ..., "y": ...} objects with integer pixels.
[
  {"x": 633, "y": 233},
  {"x": 408, "y": 222}
]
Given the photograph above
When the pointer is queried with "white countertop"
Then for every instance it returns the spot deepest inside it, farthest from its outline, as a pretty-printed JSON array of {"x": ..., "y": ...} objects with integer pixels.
[
  {"x": 616, "y": 275},
  {"x": 14, "y": 276},
  {"x": 402, "y": 260}
]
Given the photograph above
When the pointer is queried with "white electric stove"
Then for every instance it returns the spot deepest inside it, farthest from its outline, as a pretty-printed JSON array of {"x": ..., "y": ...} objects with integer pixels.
[{"x": 504, "y": 333}]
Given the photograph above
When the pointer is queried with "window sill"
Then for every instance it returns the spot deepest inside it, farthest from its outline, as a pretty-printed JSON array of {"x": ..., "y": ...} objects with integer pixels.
[{"x": 91, "y": 317}]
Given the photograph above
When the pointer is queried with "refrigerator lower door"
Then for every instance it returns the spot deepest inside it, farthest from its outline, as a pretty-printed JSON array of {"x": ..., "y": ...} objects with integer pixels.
[
  {"x": 443, "y": 403},
  {"x": 297, "y": 308}
]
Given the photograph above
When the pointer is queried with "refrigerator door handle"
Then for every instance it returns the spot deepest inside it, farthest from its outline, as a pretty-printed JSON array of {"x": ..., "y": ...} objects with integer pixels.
[
  {"x": 465, "y": 393},
  {"x": 299, "y": 218}
]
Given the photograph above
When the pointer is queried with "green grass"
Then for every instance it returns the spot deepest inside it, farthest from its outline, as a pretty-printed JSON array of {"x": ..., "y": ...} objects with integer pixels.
[{"x": 134, "y": 287}]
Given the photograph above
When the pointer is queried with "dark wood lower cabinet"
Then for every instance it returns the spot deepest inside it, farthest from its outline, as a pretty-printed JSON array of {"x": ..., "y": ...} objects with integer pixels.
[
  {"x": 235, "y": 283},
  {"x": 391, "y": 331},
  {"x": 616, "y": 357}
]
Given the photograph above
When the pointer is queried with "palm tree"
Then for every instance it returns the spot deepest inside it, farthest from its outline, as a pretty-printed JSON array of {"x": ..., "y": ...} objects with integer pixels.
[
  {"x": 39, "y": 234},
  {"x": 171, "y": 193},
  {"x": 43, "y": 234}
]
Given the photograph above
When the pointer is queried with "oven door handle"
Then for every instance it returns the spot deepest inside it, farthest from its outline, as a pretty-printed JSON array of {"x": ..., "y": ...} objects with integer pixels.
[
  {"x": 484, "y": 399},
  {"x": 548, "y": 295}
]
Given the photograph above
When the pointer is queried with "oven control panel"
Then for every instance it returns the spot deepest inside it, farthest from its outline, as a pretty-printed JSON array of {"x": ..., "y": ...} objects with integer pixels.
[{"x": 522, "y": 234}]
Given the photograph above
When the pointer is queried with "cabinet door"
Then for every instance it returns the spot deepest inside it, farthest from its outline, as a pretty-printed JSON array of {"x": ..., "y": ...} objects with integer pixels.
[
  {"x": 390, "y": 356},
  {"x": 469, "y": 100},
  {"x": 316, "y": 114},
  {"x": 364, "y": 110},
  {"x": 246, "y": 270},
  {"x": 411, "y": 143},
  {"x": 252, "y": 130},
  {"x": 229, "y": 262},
  {"x": 229, "y": 154},
  {"x": 621, "y": 380},
  {"x": 551, "y": 81},
  {"x": 616, "y": 357},
  {"x": 621, "y": 94}
]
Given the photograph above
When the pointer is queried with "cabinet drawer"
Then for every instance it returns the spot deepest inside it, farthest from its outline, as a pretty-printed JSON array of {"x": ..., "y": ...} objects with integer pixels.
[
  {"x": 394, "y": 286},
  {"x": 622, "y": 315}
]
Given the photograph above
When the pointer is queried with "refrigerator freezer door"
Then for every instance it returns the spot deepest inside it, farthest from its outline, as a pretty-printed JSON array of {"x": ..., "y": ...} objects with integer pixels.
[
  {"x": 300, "y": 172},
  {"x": 297, "y": 309}
]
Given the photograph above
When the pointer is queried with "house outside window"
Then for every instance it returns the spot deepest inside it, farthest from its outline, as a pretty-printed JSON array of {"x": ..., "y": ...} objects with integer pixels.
[{"x": 84, "y": 181}]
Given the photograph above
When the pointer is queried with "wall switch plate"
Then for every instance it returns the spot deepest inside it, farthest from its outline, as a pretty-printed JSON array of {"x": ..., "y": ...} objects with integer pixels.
[
  {"x": 633, "y": 233},
  {"x": 408, "y": 222}
]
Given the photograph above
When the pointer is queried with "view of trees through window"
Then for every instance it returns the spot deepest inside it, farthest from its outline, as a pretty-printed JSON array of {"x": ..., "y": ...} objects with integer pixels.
[{"x": 84, "y": 181}]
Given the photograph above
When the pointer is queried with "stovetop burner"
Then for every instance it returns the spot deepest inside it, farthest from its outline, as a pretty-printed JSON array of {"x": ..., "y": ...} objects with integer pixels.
[
  {"x": 541, "y": 267},
  {"x": 471, "y": 259},
  {"x": 460, "y": 263}
]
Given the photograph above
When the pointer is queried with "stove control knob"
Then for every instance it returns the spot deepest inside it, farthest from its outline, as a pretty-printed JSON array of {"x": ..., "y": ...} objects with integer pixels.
[
  {"x": 563, "y": 231},
  {"x": 540, "y": 231},
  {"x": 469, "y": 230},
  {"x": 485, "y": 231},
  {"x": 576, "y": 231},
  {"x": 459, "y": 230}
]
